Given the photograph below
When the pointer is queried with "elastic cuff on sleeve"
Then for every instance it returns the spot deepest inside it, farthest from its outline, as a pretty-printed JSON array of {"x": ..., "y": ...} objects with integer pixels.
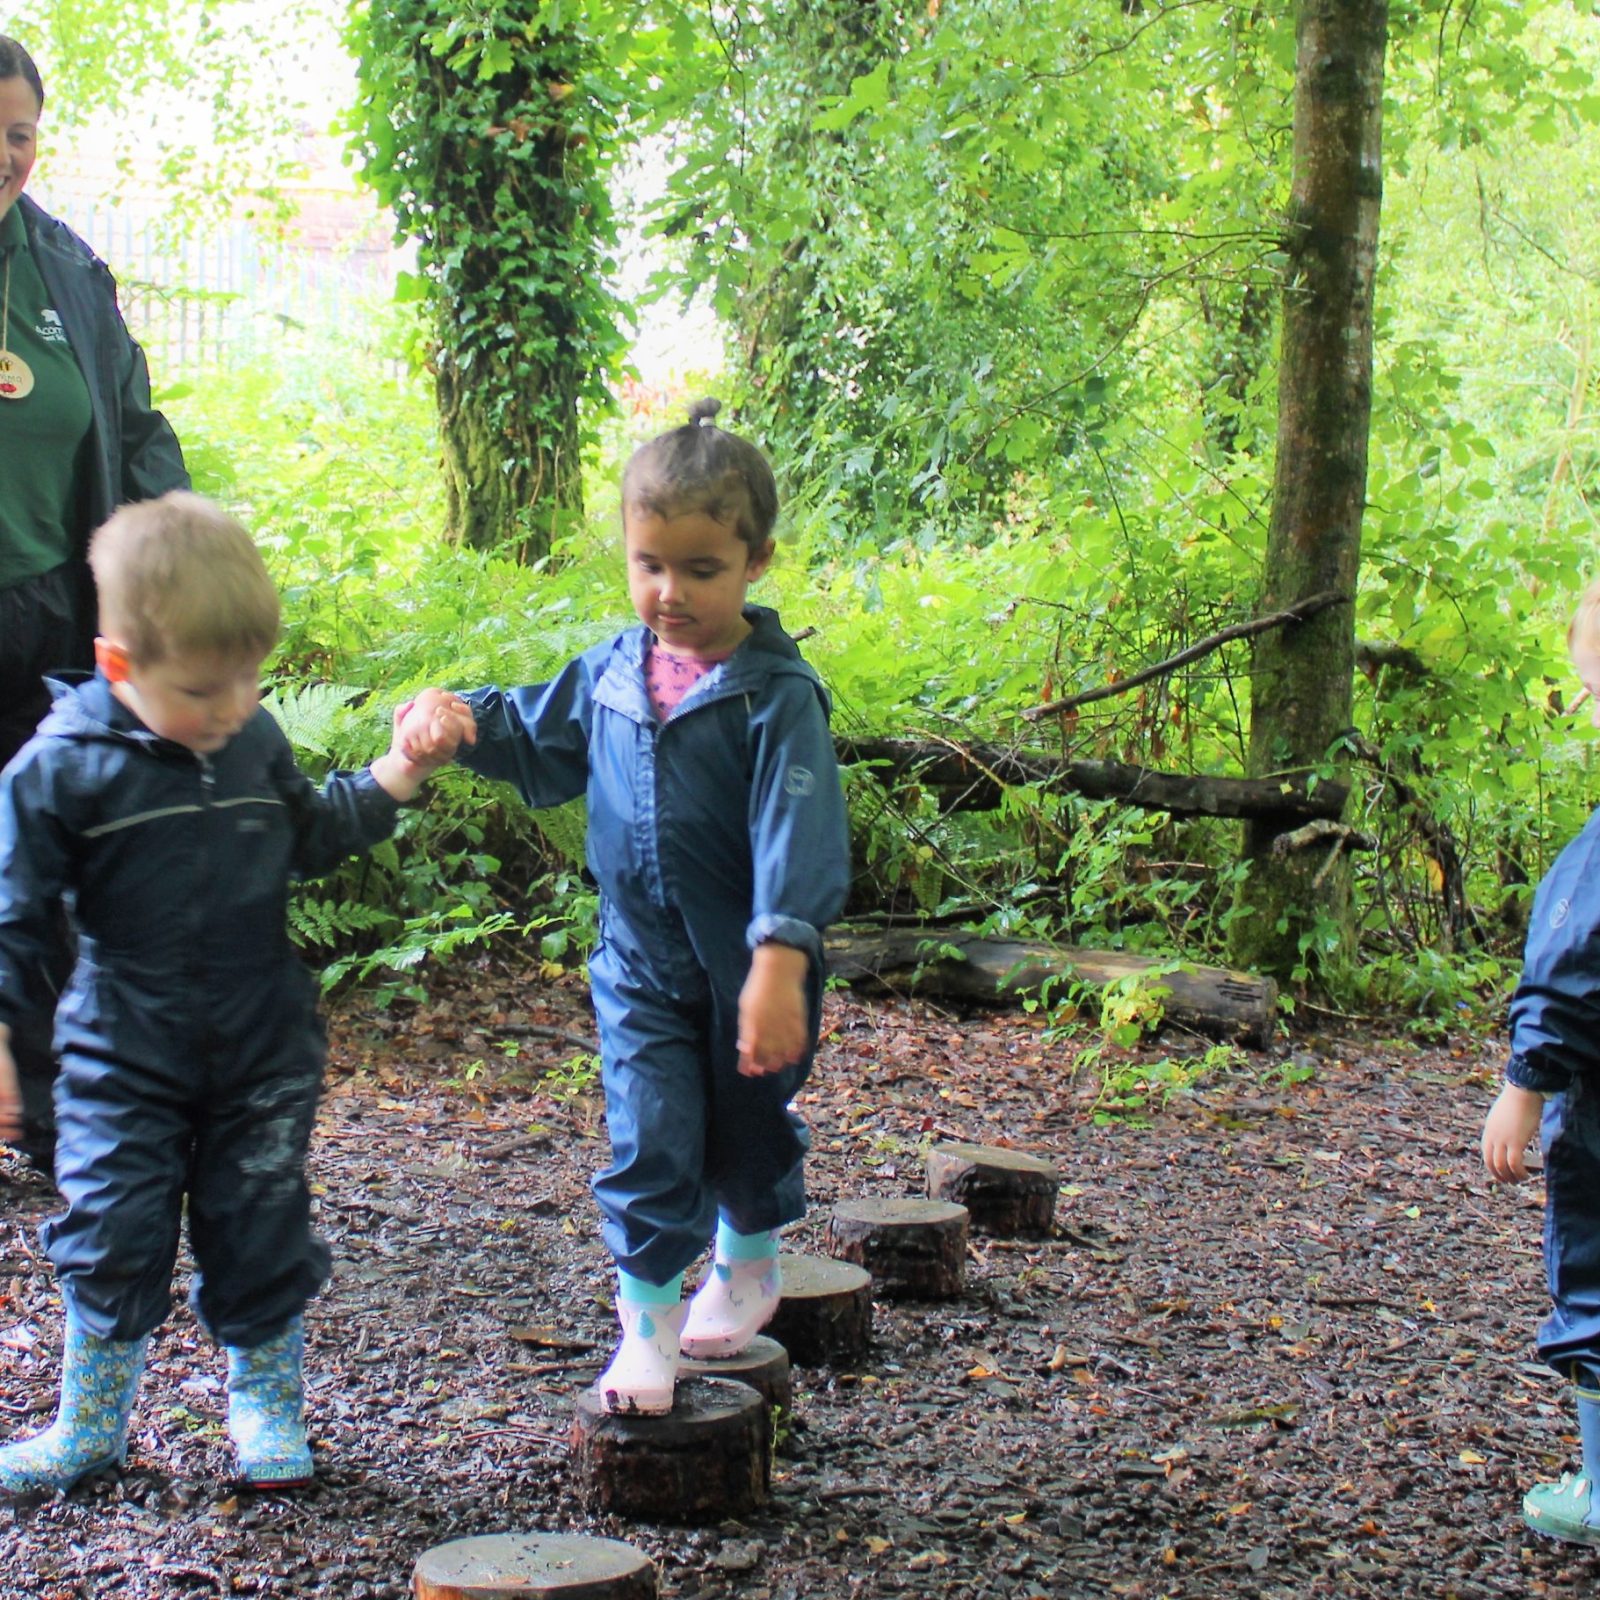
[
  {"x": 372, "y": 796},
  {"x": 1524, "y": 1074},
  {"x": 770, "y": 928}
]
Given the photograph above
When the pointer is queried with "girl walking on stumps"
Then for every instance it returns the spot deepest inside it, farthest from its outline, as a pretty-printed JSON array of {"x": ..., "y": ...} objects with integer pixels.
[
  {"x": 1552, "y": 1087},
  {"x": 717, "y": 833}
]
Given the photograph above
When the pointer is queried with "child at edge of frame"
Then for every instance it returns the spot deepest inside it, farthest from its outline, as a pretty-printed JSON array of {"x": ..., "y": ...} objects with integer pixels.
[
  {"x": 718, "y": 836},
  {"x": 163, "y": 802},
  {"x": 1552, "y": 1087}
]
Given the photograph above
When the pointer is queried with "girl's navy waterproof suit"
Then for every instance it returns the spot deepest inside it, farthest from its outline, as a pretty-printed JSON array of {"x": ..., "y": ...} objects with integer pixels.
[
  {"x": 190, "y": 1046},
  {"x": 1555, "y": 1051},
  {"x": 710, "y": 833}
]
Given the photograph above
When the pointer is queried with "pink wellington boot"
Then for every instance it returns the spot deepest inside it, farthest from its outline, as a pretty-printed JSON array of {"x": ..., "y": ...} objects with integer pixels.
[
  {"x": 734, "y": 1303},
  {"x": 644, "y": 1370}
]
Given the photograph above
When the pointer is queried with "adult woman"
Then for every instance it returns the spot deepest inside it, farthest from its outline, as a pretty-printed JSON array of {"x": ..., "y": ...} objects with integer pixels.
[{"x": 78, "y": 436}]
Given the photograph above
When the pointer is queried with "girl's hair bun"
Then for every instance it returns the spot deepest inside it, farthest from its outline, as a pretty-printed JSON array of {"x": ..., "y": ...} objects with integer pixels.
[{"x": 703, "y": 410}]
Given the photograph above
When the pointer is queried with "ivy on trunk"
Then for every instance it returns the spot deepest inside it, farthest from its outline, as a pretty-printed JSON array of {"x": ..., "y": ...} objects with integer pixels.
[{"x": 489, "y": 133}]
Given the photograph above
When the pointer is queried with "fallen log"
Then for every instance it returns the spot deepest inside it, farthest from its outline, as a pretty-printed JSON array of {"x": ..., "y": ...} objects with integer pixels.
[
  {"x": 975, "y": 776},
  {"x": 1234, "y": 1006}
]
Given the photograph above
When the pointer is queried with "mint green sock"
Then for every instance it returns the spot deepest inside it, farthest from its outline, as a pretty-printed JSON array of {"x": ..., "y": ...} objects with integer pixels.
[
  {"x": 639, "y": 1293},
  {"x": 732, "y": 1246}
]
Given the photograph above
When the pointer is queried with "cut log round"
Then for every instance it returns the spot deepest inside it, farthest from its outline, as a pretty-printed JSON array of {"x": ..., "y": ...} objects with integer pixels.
[
  {"x": 1008, "y": 1195},
  {"x": 708, "y": 1458},
  {"x": 534, "y": 1566},
  {"x": 764, "y": 1365},
  {"x": 914, "y": 1249},
  {"x": 825, "y": 1315}
]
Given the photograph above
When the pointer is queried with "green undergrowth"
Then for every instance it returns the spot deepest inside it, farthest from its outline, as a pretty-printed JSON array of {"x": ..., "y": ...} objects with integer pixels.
[{"x": 948, "y": 639}]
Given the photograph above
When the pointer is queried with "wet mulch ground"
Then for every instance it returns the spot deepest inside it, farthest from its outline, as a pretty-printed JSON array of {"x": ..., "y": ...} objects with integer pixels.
[{"x": 1280, "y": 1344}]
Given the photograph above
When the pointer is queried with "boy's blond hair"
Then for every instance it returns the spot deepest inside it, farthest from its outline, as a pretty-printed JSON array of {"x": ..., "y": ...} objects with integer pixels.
[
  {"x": 179, "y": 577},
  {"x": 1583, "y": 632}
]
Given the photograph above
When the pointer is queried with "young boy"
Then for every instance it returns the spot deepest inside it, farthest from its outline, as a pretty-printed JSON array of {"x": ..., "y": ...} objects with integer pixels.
[
  {"x": 164, "y": 804},
  {"x": 1553, "y": 1087}
]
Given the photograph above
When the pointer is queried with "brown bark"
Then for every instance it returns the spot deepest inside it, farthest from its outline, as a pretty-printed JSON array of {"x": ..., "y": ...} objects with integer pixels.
[
  {"x": 1217, "y": 1003},
  {"x": 974, "y": 777},
  {"x": 914, "y": 1249},
  {"x": 825, "y": 1315},
  {"x": 1008, "y": 1195},
  {"x": 710, "y": 1457},
  {"x": 1301, "y": 696}
]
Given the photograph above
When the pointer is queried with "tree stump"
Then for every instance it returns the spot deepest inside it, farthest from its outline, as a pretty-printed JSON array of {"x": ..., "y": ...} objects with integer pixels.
[
  {"x": 1007, "y": 1194},
  {"x": 914, "y": 1249},
  {"x": 707, "y": 1459},
  {"x": 527, "y": 1566},
  {"x": 824, "y": 1317},
  {"x": 764, "y": 1365}
]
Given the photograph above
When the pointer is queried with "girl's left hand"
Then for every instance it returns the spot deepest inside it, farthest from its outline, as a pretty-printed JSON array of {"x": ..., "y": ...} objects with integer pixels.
[
  {"x": 10, "y": 1093},
  {"x": 1512, "y": 1121},
  {"x": 772, "y": 1011}
]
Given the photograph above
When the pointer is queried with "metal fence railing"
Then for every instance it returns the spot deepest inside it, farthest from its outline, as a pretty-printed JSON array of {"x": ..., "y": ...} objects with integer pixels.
[{"x": 234, "y": 296}]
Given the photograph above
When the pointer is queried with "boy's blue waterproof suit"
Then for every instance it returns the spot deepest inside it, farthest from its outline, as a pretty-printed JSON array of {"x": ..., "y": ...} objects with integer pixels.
[
  {"x": 1555, "y": 1051},
  {"x": 190, "y": 1046},
  {"x": 719, "y": 829}
]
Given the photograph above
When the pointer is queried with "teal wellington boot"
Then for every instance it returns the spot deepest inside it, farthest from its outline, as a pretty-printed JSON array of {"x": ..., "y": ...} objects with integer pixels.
[
  {"x": 1570, "y": 1509},
  {"x": 99, "y": 1378},
  {"x": 266, "y": 1409}
]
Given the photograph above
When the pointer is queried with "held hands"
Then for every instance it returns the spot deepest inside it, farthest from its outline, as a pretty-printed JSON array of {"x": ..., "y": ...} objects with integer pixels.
[
  {"x": 772, "y": 1010},
  {"x": 428, "y": 731},
  {"x": 1512, "y": 1121},
  {"x": 10, "y": 1093}
]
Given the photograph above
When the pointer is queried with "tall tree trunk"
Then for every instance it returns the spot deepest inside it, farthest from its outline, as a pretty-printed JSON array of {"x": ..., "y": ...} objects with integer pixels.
[
  {"x": 508, "y": 385},
  {"x": 1298, "y": 904},
  {"x": 485, "y": 128}
]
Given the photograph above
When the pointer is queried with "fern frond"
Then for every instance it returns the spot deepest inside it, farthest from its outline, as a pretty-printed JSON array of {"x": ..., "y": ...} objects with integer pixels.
[{"x": 310, "y": 716}]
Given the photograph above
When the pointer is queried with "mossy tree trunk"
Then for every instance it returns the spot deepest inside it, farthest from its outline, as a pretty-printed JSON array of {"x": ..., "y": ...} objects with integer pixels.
[
  {"x": 488, "y": 130},
  {"x": 1297, "y": 905}
]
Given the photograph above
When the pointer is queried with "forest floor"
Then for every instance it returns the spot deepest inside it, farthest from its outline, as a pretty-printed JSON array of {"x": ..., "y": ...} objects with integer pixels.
[{"x": 1279, "y": 1345}]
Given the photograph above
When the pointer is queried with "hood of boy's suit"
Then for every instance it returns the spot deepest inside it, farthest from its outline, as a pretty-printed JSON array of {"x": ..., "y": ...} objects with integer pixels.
[{"x": 82, "y": 706}]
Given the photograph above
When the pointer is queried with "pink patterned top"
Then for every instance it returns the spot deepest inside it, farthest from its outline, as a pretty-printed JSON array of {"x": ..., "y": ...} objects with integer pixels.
[{"x": 668, "y": 678}]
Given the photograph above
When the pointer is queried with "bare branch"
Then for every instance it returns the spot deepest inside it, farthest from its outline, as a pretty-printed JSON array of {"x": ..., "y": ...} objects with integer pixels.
[{"x": 1298, "y": 612}]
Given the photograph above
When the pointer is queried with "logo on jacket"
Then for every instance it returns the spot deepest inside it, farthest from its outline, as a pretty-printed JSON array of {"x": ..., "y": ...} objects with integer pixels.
[
  {"x": 50, "y": 329},
  {"x": 1558, "y": 912},
  {"x": 799, "y": 781}
]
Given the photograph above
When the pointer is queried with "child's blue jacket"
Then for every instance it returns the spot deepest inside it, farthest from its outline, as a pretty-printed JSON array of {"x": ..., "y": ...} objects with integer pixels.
[
  {"x": 176, "y": 869},
  {"x": 1555, "y": 1012},
  {"x": 726, "y": 822}
]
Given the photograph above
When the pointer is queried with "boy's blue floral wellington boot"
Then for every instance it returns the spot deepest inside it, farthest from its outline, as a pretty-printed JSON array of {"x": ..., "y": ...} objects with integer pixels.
[
  {"x": 1570, "y": 1509},
  {"x": 99, "y": 1378},
  {"x": 266, "y": 1409}
]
